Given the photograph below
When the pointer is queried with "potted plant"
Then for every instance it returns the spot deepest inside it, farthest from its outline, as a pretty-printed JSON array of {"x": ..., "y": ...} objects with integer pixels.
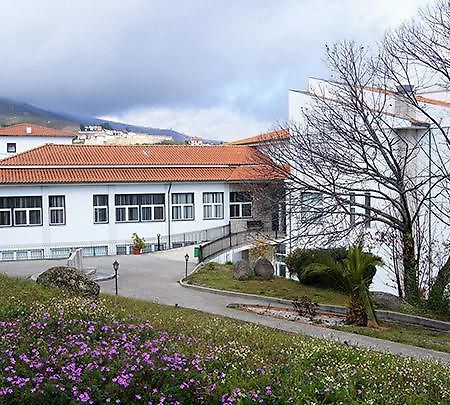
[{"x": 138, "y": 244}]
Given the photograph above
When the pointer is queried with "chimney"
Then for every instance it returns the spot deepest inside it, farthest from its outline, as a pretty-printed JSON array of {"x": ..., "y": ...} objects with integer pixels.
[
  {"x": 29, "y": 130},
  {"x": 403, "y": 109}
]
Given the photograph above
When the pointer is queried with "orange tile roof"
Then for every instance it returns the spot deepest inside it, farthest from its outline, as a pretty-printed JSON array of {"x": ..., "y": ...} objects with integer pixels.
[
  {"x": 137, "y": 175},
  {"x": 112, "y": 164},
  {"x": 279, "y": 134},
  {"x": 36, "y": 130},
  {"x": 122, "y": 155}
]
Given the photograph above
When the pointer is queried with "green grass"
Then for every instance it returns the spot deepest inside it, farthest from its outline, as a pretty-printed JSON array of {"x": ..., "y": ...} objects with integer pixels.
[
  {"x": 406, "y": 334},
  {"x": 299, "y": 368},
  {"x": 221, "y": 277}
]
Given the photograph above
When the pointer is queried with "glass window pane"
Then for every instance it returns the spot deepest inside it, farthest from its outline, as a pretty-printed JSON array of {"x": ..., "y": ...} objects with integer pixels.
[
  {"x": 246, "y": 210},
  {"x": 120, "y": 214},
  {"x": 176, "y": 212},
  {"x": 5, "y": 218},
  {"x": 146, "y": 213},
  {"x": 234, "y": 210},
  {"x": 35, "y": 217},
  {"x": 218, "y": 211},
  {"x": 133, "y": 214},
  {"x": 20, "y": 217},
  {"x": 100, "y": 200},
  {"x": 207, "y": 197},
  {"x": 100, "y": 215},
  {"x": 207, "y": 211},
  {"x": 188, "y": 212},
  {"x": 159, "y": 213}
]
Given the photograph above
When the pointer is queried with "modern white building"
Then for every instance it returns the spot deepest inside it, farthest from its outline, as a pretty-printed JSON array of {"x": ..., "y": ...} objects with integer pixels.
[
  {"x": 416, "y": 131},
  {"x": 22, "y": 137},
  {"x": 57, "y": 197}
]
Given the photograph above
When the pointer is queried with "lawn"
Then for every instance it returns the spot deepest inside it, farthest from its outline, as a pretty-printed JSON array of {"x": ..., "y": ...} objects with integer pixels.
[
  {"x": 58, "y": 348},
  {"x": 221, "y": 277}
]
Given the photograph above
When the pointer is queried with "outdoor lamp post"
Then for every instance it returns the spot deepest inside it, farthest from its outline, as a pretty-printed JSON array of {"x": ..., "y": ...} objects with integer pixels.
[
  {"x": 159, "y": 241},
  {"x": 116, "y": 268},
  {"x": 186, "y": 259}
]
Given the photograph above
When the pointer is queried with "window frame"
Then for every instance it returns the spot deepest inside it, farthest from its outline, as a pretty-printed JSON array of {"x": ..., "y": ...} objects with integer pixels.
[
  {"x": 140, "y": 202},
  {"x": 240, "y": 205},
  {"x": 313, "y": 212},
  {"x": 182, "y": 207},
  {"x": 97, "y": 208},
  {"x": 57, "y": 208},
  {"x": 213, "y": 205},
  {"x": 9, "y": 210}
]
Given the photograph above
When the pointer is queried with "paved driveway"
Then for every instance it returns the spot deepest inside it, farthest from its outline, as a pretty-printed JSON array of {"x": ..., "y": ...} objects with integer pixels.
[{"x": 154, "y": 277}]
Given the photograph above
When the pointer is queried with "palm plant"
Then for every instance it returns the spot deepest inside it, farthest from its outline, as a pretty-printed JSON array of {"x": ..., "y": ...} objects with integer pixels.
[{"x": 354, "y": 275}]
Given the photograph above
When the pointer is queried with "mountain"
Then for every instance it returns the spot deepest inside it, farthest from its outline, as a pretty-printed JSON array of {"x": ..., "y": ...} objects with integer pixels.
[{"x": 14, "y": 112}]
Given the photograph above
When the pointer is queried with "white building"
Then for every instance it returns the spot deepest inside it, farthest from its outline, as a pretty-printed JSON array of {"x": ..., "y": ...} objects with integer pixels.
[
  {"x": 412, "y": 126},
  {"x": 22, "y": 137},
  {"x": 58, "y": 197}
]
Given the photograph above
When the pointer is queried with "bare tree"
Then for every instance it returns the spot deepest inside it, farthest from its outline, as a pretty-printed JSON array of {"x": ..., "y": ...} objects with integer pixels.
[{"x": 354, "y": 162}]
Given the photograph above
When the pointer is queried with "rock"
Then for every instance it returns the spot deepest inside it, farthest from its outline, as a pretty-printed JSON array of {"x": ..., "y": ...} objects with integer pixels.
[
  {"x": 69, "y": 279},
  {"x": 242, "y": 270},
  {"x": 386, "y": 300},
  {"x": 264, "y": 269}
]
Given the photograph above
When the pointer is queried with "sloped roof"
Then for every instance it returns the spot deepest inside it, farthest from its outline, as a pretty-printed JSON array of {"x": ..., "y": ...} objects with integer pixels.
[
  {"x": 36, "y": 130},
  {"x": 277, "y": 135},
  {"x": 124, "y": 155},
  {"x": 122, "y": 164}
]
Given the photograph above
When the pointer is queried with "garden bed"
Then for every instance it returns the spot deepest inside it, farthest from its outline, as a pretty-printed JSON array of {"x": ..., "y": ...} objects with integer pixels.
[{"x": 59, "y": 348}]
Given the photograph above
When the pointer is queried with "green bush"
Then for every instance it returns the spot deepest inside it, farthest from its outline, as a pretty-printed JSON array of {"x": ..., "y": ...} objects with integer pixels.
[{"x": 301, "y": 259}]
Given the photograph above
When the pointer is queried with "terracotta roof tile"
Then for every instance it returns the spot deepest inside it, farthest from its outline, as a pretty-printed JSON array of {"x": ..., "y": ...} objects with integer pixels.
[
  {"x": 116, "y": 155},
  {"x": 279, "y": 134},
  {"x": 36, "y": 130},
  {"x": 133, "y": 175},
  {"x": 112, "y": 164}
]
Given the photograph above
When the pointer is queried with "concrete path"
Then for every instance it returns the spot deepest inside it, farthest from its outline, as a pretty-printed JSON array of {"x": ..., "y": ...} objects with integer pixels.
[{"x": 154, "y": 277}]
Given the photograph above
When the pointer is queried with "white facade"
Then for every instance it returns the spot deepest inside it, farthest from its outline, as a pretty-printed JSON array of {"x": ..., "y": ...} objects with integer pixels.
[
  {"x": 79, "y": 229},
  {"x": 403, "y": 119},
  {"x": 18, "y": 144}
]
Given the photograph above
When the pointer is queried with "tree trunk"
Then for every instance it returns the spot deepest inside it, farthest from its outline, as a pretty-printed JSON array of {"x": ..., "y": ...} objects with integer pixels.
[
  {"x": 410, "y": 268},
  {"x": 356, "y": 313},
  {"x": 436, "y": 295}
]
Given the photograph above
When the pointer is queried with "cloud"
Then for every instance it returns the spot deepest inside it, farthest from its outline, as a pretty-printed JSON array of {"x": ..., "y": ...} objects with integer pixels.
[
  {"x": 205, "y": 122},
  {"x": 104, "y": 57}
]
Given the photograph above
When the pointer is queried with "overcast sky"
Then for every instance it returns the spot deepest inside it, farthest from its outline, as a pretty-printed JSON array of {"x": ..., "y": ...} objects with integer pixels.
[{"x": 218, "y": 69}]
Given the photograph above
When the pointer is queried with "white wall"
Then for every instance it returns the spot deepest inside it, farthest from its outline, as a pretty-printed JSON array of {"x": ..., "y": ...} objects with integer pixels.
[
  {"x": 24, "y": 143},
  {"x": 80, "y": 228}
]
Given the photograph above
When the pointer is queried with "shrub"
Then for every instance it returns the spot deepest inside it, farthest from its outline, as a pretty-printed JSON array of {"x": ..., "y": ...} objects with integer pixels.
[
  {"x": 305, "y": 306},
  {"x": 300, "y": 259}
]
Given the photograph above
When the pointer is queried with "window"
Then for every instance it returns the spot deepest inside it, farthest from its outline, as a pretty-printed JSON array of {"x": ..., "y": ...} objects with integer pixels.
[
  {"x": 100, "y": 209},
  {"x": 11, "y": 148},
  {"x": 182, "y": 206},
  {"x": 57, "y": 210},
  {"x": 240, "y": 204},
  {"x": 20, "y": 211},
  {"x": 212, "y": 205},
  {"x": 139, "y": 207},
  {"x": 367, "y": 209},
  {"x": 352, "y": 210},
  {"x": 311, "y": 206}
]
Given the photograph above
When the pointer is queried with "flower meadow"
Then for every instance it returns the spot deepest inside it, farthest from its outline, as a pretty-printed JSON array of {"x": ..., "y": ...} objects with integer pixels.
[{"x": 59, "y": 349}]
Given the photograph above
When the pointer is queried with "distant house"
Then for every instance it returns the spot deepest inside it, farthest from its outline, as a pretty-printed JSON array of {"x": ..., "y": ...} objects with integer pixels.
[
  {"x": 57, "y": 197},
  {"x": 196, "y": 141},
  {"x": 22, "y": 137}
]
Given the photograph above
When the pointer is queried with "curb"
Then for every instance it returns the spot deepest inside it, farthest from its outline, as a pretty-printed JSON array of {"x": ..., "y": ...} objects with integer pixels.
[{"x": 383, "y": 315}]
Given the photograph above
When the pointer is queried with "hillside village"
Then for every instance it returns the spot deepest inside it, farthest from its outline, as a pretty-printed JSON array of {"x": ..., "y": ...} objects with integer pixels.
[{"x": 305, "y": 263}]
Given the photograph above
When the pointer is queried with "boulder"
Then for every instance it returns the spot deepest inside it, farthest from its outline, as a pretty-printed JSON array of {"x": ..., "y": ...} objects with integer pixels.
[
  {"x": 242, "y": 270},
  {"x": 264, "y": 269},
  {"x": 69, "y": 279},
  {"x": 386, "y": 300}
]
